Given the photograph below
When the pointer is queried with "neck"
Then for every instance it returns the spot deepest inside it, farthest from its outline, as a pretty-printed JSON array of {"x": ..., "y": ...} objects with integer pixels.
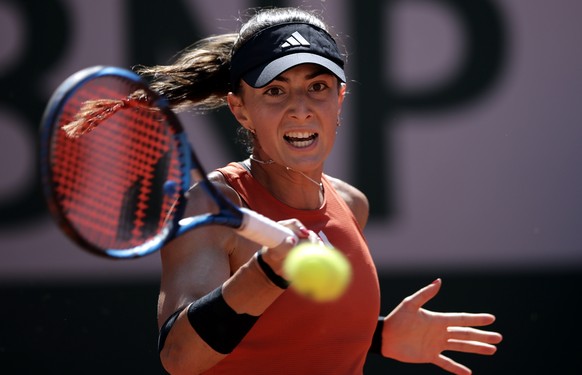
[
  {"x": 271, "y": 161},
  {"x": 292, "y": 187}
]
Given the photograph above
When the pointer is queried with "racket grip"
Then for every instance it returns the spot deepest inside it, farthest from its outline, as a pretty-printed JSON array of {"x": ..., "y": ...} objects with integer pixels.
[{"x": 262, "y": 230}]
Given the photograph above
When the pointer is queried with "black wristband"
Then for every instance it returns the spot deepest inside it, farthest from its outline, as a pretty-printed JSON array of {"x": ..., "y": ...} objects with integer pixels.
[
  {"x": 276, "y": 279},
  {"x": 376, "y": 346},
  {"x": 217, "y": 323}
]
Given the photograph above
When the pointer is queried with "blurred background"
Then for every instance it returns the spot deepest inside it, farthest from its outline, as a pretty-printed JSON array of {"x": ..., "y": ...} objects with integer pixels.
[{"x": 462, "y": 126}]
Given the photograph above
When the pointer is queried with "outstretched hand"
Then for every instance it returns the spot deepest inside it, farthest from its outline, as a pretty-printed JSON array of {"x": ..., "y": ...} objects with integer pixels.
[{"x": 416, "y": 335}]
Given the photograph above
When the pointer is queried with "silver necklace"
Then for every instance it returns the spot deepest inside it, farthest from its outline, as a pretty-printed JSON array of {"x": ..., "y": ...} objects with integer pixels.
[{"x": 271, "y": 161}]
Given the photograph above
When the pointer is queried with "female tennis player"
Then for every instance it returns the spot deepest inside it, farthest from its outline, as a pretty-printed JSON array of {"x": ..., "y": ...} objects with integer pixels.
[{"x": 224, "y": 306}]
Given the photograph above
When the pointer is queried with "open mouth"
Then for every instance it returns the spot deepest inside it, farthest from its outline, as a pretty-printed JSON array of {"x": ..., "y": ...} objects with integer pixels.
[{"x": 300, "y": 139}]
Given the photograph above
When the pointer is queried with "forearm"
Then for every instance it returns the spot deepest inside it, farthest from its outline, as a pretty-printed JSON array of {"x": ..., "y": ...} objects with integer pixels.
[
  {"x": 184, "y": 351},
  {"x": 250, "y": 290},
  {"x": 208, "y": 329}
]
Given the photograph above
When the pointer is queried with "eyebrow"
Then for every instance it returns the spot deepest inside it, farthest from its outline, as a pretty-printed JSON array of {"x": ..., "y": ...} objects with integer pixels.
[{"x": 316, "y": 73}]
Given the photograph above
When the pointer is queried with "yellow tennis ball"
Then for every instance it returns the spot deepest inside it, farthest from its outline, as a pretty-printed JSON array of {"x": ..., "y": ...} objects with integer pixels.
[{"x": 318, "y": 272}]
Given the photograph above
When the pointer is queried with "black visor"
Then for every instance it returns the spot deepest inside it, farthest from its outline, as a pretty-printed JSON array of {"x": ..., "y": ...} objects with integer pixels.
[{"x": 279, "y": 48}]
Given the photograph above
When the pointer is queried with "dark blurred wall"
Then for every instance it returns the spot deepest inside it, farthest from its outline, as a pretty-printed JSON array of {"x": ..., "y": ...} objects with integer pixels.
[
  {"x": 94, "y": 329},
  {"x": 461, "y": 125}
]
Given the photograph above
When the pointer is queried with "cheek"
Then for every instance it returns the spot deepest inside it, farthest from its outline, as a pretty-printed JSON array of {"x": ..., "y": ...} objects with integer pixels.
[
  {"x": 265, "y": 122},
  {"x": 332, "y": 113}
]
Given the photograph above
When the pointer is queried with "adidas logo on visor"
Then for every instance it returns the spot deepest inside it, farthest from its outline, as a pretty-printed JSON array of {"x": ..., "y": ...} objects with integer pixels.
[{"x": 295, "y": 39}]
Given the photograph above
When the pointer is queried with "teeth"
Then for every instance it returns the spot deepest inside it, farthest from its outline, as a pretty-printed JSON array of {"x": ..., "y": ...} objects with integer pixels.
[
  {"x": 300, "y": 139},
  {"x": 301, "y": 144},
  {"x": 299, "y": 135}
]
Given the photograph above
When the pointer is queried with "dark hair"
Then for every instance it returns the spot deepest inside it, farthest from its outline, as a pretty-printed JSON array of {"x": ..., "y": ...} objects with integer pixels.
[{"x": 199, "y": 78}]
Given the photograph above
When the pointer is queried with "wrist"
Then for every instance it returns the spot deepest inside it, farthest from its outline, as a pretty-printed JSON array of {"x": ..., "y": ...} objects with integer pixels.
[
  {"x": 268, "y": 270},
  {"x": 376, "y": 346}
]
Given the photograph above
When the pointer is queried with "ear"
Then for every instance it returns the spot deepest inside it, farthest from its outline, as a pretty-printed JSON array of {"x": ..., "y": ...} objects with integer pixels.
[
  {"x": 341, "y": 97},
  {"x": 237, "y": 108}
]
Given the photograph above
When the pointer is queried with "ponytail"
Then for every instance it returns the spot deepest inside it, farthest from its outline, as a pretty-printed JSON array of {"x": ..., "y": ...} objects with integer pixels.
[{"x": 199, "y": 78}]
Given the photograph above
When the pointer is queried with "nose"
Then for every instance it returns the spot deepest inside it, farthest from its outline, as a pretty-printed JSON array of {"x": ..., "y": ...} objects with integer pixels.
[{"x": 300, "y": 108}]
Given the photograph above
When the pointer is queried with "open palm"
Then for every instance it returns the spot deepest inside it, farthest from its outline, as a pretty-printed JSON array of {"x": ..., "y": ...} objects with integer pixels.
[{"x": 416, "y": 335}]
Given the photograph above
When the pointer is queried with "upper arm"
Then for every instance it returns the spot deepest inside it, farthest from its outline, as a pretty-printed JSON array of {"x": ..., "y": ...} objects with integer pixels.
[
  {"x": 354, "y": 198},
  {"x": 198, "y": 261}
]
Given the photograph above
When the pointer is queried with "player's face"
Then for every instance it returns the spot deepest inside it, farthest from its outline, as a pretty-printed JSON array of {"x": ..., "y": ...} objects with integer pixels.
[{"x": 295, "y": 116}]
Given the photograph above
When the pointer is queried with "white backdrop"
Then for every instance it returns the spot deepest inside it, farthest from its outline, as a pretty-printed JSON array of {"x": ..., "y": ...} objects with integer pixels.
[{"x": 485, "y": 187}]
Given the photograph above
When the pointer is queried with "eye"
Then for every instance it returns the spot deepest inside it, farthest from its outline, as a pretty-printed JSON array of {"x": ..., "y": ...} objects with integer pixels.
[
  {"x": 318, "y": 87},
  {"x": 273, "y": 91}
]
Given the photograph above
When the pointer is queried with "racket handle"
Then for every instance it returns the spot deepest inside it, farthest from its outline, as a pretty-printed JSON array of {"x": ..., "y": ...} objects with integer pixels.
[{"x": 262, "y": 230}]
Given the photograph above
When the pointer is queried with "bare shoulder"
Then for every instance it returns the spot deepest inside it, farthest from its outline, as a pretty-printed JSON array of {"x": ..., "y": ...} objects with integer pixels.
[
  {"x": 354, "y": 198},
  {"x": 200, "y": 201},
  {"x": 225, "y": 189}
]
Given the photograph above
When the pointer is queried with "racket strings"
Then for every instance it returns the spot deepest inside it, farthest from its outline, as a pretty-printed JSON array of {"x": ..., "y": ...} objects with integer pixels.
[{"x": 110, "y": 184}]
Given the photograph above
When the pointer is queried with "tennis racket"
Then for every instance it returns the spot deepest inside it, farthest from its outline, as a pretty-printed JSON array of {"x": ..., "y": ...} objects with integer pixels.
[{"x": 116, "y": 176}]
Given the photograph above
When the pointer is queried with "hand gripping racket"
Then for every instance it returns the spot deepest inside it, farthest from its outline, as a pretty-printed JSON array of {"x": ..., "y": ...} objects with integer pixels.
[{"x": 116, "y": 173}]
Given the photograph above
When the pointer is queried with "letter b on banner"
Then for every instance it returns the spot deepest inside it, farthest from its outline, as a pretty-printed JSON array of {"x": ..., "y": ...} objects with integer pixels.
[{"x": 43, "y": 34}]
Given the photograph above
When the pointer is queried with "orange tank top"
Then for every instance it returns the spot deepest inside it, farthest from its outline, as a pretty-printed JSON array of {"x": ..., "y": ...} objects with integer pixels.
[{"x": 298, "y": 336}]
